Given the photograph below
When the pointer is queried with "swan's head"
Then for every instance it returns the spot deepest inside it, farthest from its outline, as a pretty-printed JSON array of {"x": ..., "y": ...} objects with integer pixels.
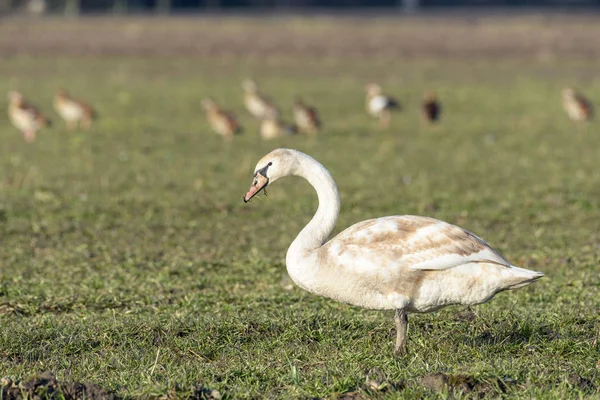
[{"x": 275, "y": 165}]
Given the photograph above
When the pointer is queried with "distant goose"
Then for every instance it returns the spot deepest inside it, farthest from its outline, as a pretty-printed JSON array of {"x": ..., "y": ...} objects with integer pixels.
[
  {"x": 73, "y": 111},
  {"x": 307, "y": 117},
  {"x": 378, "y": 105},
  {"x": 431, "y": 107},
  {"x": 221, "y": 121},
  {"x": 271, "y": 127},
  {"x": 578, "y": 108},
  {"x": 402, "y": 263},
  {"x": 25, "y": 117},
  {"x": 258, "y": 105}
]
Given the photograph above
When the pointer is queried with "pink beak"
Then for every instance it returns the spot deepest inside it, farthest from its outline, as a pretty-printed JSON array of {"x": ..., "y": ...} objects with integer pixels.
[{"x": 259, "y": 183}]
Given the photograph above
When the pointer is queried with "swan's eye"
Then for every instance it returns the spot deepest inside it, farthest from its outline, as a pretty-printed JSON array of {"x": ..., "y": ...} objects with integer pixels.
[
  {"x": 255, "y": 182},
  {"x": 269, "y": 164}
]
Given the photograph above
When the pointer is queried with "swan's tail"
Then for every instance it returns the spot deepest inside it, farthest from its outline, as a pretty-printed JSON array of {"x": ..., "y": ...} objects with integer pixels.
[{"x": 518, "y": 277}]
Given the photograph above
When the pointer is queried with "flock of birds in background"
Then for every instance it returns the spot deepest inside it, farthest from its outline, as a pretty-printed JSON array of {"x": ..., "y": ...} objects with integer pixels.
[
  {"x": 306, "y": 117},
  {"x": 28, "y": 120}
]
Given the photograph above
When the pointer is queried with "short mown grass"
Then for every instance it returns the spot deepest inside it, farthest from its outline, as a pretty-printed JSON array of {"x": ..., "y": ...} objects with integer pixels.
[{"x": 128, "y": 259}]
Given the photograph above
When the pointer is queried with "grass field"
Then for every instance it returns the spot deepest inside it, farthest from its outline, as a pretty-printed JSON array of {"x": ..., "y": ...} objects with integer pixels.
[{"x": 129, "y": 260}]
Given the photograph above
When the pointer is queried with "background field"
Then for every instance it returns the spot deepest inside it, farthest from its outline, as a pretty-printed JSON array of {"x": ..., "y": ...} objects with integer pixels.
[{"x": 128, "y": 259}]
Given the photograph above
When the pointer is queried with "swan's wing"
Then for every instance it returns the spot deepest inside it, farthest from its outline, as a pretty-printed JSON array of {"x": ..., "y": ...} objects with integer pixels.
[{"x": 412, "y": 242}]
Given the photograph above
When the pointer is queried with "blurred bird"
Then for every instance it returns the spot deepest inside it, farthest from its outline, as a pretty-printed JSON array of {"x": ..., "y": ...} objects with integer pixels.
[
  {"x": 258, "y": 105},
  {"x": 578, "y": 108},
  {"x": 25, "y": 117},
  {"x": 72, "y": 111},
  {"x": 307, "y": 118},
  {"x": 379, "y": 105},
  {"x": 221, "y": 121},
  {"x": 431, "y": 107},
  {"x": 271, "y": 128}
]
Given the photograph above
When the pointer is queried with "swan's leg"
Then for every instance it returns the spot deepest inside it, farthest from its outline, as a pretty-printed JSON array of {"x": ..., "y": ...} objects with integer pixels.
[{"x": 401, "y": 319}]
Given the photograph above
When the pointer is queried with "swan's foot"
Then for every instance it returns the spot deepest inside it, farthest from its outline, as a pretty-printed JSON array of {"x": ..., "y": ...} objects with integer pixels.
[{"x": 401, "y": 319}]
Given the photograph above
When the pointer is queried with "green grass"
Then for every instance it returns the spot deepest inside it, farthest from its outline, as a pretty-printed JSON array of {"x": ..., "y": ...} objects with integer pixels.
[{"x": 128, "y": 259}]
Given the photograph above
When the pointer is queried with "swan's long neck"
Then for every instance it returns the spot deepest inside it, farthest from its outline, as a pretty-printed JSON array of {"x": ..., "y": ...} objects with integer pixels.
[{"x": 315, "y": 234}]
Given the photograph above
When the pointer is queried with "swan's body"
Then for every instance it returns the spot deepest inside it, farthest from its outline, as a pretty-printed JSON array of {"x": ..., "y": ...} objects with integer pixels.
[
  {"x": 418, "y": 264},
  {"x": 402, "y": 263}
]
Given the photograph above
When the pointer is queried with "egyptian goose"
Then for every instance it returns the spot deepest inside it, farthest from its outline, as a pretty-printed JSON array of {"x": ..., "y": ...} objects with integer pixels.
[
  {"x": 222, "y": 122},
  {"x": 403, "y": 263},
  {"x": 25, "y": 117},
  {"x": 72, "y": 111},
  {"x": 578, "y": 108},
  {"x": 431, "y": 107},
  {"x": 258, "y": 105},
  {"x": 271, "y": 127},
  {"x": 307, "y": 118},
  {"x": 378, "y": 105}
]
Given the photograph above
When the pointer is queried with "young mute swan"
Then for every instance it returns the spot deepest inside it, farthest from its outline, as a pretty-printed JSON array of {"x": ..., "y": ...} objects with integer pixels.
[{"x": 403, "y": 263}]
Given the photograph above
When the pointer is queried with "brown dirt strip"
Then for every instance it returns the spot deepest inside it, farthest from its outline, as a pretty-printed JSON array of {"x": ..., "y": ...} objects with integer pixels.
[{"x": 439, "y": 36}]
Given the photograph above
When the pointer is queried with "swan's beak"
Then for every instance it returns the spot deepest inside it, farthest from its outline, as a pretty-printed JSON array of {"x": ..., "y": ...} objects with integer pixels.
[{"x": 259, "y": 183}]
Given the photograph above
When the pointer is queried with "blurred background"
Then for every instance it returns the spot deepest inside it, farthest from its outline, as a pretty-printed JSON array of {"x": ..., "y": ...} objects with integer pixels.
[{"x": 74, "y": 7}]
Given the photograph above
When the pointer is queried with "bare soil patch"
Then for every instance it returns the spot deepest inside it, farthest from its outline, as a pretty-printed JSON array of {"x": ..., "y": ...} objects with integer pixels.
[
  {"x": 462, "y": 383},
  {"x": 441, "y": 36},
  {"x": 45, "y": 386}
]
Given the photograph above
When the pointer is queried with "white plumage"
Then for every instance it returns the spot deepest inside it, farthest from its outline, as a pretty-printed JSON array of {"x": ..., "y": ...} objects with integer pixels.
[{"x": 403, "y": 263}]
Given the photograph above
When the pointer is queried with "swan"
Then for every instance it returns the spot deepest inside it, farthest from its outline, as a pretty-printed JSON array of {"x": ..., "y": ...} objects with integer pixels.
[{"x": 409, "y": 264}]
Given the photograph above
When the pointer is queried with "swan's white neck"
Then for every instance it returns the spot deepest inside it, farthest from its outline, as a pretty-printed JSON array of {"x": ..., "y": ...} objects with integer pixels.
[{"x": 315, "y": 234}]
